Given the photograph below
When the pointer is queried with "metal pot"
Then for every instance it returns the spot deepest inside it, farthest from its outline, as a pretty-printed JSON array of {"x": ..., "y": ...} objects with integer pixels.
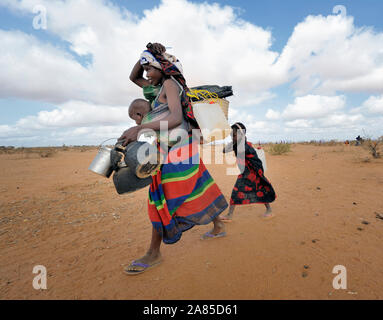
[
  {"x": 141, "y": 160},
  {"x": 101, "y": 163}
]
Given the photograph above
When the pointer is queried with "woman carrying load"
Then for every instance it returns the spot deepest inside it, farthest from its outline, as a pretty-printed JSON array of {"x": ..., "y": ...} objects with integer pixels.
[{"x": 182, "y": 193}]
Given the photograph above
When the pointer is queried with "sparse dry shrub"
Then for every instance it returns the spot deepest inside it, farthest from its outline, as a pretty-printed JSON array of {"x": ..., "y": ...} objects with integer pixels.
[
  {"x": 9, "y": 150},
  {"x": 373, "y": 146},
  {"x": 46, "y": 153},
  {"x": 332, "y": 143},
  {"x": 40, "y": 152},
  {"x": 279, "y": 148},
  {"x": 322, "y": 143}
]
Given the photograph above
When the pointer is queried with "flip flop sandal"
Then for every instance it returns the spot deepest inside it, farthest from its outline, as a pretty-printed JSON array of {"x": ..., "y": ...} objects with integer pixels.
[
  {"x": 208, "y": 235},
  {"x": 142, "y": 265},
  {"x": 267, "y": 217}
]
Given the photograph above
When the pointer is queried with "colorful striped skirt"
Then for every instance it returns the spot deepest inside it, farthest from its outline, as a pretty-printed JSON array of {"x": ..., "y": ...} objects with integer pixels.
[{"x": 183, "y": 193}]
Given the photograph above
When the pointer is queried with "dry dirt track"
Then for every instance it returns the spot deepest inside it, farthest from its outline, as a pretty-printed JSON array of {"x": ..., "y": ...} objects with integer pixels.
[{"x": 54, "y": 212}]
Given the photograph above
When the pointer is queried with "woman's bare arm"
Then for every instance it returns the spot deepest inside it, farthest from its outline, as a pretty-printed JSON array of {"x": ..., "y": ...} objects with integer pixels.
[
  {"x": 137, "y": 72},
  {"x": 174, "y": 118},
  {"x": 173, "y": 99},
  {"x": 137, "y": 75}
]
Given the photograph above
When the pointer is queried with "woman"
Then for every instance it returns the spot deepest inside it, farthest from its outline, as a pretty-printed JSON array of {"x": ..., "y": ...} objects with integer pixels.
[
  {"x": 182, "y": 194},
  {"x": 251, "y": 185}
]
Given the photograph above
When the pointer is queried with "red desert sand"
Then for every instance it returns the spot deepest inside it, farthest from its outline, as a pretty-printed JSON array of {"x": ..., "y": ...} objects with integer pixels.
[{"x": 56, "y": 213}]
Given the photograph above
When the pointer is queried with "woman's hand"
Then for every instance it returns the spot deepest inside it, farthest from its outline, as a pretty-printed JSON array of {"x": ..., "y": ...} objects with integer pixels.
[
  {"x": 228, "y": 147},
  {"x": 129, "y": 135}
]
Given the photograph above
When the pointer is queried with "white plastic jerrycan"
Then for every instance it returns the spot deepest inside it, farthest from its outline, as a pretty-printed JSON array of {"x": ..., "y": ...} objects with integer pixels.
[
  {"x": 211, "y": 120},
  {"x": 262, "y": 157}
]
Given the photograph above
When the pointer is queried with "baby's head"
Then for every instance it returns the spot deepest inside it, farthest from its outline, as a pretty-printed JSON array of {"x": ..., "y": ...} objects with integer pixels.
[{"x": 138, "y": 109}]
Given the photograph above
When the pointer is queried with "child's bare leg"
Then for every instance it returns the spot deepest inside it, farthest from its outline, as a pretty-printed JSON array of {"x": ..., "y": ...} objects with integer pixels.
[
  {"x": 218, "y": 226},
  {"x": 217, "y": 231},
  {"x": 152, "y": 256},
  {"x": 268, "y": 213},
  {"x": 229, "y": 216}
]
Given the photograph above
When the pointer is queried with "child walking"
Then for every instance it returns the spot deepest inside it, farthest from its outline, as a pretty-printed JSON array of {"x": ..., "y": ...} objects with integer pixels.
[{"x": 251, "y": 185}]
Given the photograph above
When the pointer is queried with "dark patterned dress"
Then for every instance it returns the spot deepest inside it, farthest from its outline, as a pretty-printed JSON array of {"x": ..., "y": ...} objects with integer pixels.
[{"x": 251, "y": 186}]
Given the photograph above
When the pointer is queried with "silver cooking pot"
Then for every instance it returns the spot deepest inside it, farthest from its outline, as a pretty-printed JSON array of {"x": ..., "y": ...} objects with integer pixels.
[
  {"x": 141, "y": 161},
  {"x": 101, "y": 163}
]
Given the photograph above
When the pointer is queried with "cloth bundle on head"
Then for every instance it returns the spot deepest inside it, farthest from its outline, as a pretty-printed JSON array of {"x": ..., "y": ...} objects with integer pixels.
[
  {"x": 171, "y": 67},
  {"x": 148, "y": 58}
]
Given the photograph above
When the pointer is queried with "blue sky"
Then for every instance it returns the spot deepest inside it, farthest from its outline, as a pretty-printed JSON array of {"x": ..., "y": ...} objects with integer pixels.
[{"x": 298, "y": 70}]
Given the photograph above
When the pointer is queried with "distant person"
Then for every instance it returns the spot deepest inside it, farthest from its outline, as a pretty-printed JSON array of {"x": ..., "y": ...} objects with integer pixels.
[
  {"x": 359, "y": 140},
  {"x": 251, "y": 185}
]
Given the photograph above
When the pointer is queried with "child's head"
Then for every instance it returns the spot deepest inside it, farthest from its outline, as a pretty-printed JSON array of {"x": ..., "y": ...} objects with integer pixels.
[
  {"x": 238, "y": 131},
  {"x": 138, "y": 109}
]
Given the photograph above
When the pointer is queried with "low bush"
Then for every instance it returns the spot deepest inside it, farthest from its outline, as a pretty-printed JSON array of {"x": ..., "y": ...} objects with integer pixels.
[{"x": 279, "y": 148}]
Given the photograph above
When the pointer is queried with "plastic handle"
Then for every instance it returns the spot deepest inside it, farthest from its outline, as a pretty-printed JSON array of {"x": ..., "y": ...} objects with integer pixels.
[{"x": 107, "y": 140}]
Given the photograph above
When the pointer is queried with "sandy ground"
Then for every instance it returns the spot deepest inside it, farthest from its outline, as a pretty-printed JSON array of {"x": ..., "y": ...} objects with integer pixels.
[{"x": 56, "y": 213}]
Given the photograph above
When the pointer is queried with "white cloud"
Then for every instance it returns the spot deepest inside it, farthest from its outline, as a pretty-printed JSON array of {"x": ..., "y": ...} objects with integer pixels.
[
  {"x": 313, "y": 106},
  {"x": 5, "y": 130},
  {"x": 342, "y": 121},
  {"x": 256, "y": 129},
  {"x": 329, "y": 54},
  {"x": 273, "y": 115},
  {"x": 244, "y": 98},
  {"x": 18, "y": 136},
  {"x": 323, "y": 117},
  {"x": 74, "y": 122},
  {"x": 323, "y": 56},
  {"x": 31, "y": 69},
  {"x": 374, "y": 105},
  {"x": 114, "y": 38},
  {"x": 78, "y": 114},
  {"x": 299, "y": 123},
  {"x": 267, "y": 128}
]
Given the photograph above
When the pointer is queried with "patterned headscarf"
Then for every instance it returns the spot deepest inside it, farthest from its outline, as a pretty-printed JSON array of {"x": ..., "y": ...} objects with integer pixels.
[
  {"x": 148, "y": 58},
  {"x": 171, "y": 67}
]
